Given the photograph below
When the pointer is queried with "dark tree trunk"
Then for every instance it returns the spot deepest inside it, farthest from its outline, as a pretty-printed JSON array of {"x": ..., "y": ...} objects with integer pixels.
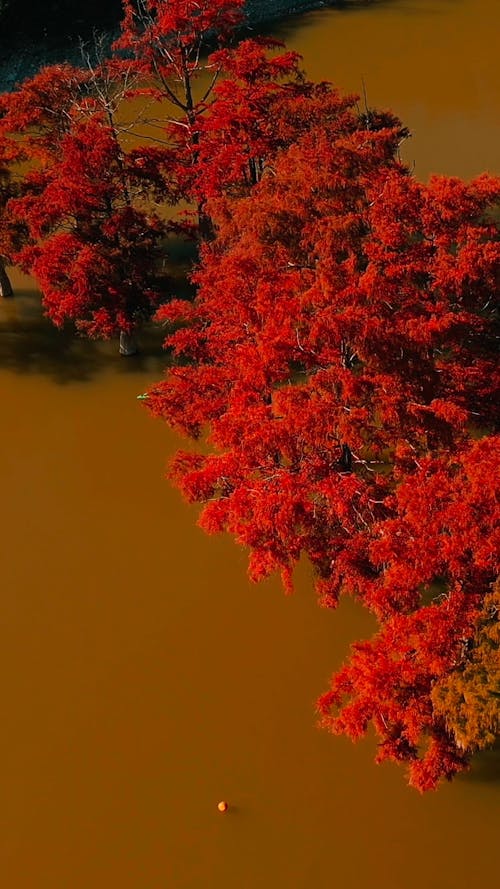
[
  {"x": 5, "y": 285},
  {"x": 128, "y": 343},
  {"x": 205, "y": 225},
  {"x": 346, "y": 458}
]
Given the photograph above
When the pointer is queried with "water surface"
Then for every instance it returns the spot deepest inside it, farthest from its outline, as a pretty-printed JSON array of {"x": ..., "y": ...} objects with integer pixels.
[{"x": 433, "y": 62}]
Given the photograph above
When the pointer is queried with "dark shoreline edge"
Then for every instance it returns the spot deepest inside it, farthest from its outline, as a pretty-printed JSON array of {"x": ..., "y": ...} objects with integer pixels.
[{"x": 20, "y": 58}]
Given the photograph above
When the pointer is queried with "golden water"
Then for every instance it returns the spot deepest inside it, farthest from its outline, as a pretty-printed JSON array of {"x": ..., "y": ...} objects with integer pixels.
[
  {"x": 142, "y": 679},
  {"x": 433, "y": 62}
]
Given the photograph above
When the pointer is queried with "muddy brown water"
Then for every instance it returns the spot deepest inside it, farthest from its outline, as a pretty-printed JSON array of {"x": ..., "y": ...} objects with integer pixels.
[{"x": 142, "y": 679}]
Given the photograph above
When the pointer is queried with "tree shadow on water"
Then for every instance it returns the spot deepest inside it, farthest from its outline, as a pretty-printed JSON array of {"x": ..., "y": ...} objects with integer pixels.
[
  {"x": 30, "y": 344},
  {"x": 485, "y": 767},
  {"x": 305, "y": 14}
]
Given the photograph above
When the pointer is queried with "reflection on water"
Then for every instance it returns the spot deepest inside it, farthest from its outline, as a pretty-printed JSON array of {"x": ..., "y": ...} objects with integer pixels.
[
  {"x": 486, "y": 767},
  {"x": 142, "y": 679},
  {"x": 31, "y": 346}
]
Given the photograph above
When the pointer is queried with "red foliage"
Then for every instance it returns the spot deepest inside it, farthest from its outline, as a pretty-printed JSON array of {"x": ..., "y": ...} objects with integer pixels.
[
  {"x": 40, "y": 113},
  {"x": 89, "y": 239},
  {"x": 32, "y": 123},
  {"x": 166, "y": 35},
  {"x": 440, "y": 544},
  {"x": 165, "y": 41},
  {"x": 339, "y": 352},
  {"x": 219, "y": 112},
  {"x": 8, "y": 189},
  {"x": 246, "y": 122}
]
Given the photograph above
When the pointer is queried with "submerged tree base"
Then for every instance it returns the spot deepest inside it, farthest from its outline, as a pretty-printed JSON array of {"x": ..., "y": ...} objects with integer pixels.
[
  {"x": 5, "y": 285},
  {"x": 128, "y": 344}
]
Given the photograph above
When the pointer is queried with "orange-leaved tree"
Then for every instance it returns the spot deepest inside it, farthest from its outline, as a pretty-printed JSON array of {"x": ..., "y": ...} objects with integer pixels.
[
  {"x": 340, "y": 357},
  {"x": 85, "y": 202}
]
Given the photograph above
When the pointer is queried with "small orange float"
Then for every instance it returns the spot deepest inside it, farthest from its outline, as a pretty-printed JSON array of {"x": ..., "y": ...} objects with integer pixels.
[{"x": 223, "y": 806}]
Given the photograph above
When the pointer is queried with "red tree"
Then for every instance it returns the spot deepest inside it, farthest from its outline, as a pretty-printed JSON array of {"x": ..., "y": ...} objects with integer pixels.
[
  {"x": 342, "y": 338},
  {"x": 217, "y": 110},
  {"x": 91, "y": 236},
  {"x": 249, "y": 117},
  {"x": 166, "y": 41},
  {"x": 434, "y": 561},
  {"x": 68, "y": 125},
  {"x": 83, "y": 199},
  {"x": 32, "y": 123},
  {"x": 7, "y": 190}
]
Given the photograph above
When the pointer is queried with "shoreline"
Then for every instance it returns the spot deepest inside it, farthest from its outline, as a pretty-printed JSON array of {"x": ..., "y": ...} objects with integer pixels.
[{"x": 20, "y": 59}]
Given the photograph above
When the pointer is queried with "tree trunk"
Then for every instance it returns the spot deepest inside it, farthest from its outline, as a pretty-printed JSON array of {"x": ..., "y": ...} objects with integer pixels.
[
  {"x": 128, "y": 343},
  {"x": 205, "y": 225},
  {"x": 5, "y": 285},
  {"x": 346, "y": 458}
]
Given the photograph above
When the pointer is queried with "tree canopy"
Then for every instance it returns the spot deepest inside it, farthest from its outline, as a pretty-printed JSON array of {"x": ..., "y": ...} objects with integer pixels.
[
  {"x": 340, "y": 359},
  {"x": 339, "y": 356}
]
